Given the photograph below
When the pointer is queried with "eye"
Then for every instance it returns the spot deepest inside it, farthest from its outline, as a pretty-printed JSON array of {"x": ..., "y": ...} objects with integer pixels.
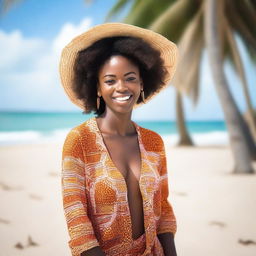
[
  {"x": 131, "y": 78},
  {"x": 110, "y": 82}
]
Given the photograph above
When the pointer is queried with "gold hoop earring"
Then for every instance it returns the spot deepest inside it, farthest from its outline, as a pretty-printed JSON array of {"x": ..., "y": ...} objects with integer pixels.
[
  {"x": 142, "y": 96},
  {"x": 98, "y": 102}
]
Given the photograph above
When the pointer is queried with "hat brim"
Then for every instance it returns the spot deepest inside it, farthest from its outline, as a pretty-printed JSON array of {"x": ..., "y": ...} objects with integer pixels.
[{"x": 167, "y": 49}]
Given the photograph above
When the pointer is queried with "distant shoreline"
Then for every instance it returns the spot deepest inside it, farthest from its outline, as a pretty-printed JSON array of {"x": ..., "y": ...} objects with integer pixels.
[
  {"x": 215, "y": 138},
  {"x": 41, "y": 127}
]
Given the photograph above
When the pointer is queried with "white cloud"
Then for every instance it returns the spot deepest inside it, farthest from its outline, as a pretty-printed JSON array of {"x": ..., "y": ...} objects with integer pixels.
[
  {"x": 29, "y": 75},
  {"x": 29, "y": 79},
  {"x": 68, "y": 32},
  {"x": 17, "y": 51}
]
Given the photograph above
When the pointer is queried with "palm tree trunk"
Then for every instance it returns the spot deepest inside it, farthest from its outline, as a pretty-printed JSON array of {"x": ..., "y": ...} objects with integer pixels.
[
  {"x": 184, "y": 137},
  {"x": 234, "y": 120},
  {"x": 249, "y": 115}
]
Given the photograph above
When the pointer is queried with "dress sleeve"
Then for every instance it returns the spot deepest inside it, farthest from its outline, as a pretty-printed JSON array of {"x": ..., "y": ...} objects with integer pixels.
[
  {"x": 74, "y": 199},
  {"x": 167, "y": 219}
]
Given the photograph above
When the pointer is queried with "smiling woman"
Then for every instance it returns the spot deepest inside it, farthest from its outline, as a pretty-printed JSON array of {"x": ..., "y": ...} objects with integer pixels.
[
  {"x": 119, "y": 83},
  {"x": 114, "y": 173},
  {"x": 138, "y": 52}
]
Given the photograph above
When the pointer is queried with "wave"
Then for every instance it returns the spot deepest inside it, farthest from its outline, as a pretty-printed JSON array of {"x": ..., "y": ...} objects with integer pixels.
[
  {"x": 59, "y": 135},
  {"x": 32, "y": 137},
  {"x": 213, "y": 138}
]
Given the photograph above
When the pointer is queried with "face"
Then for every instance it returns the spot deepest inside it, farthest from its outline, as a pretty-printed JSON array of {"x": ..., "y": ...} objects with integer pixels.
[{"x": 119, "y": 84}]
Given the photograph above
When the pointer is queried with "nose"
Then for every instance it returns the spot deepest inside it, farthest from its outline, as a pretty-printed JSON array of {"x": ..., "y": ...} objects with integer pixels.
[{"x": 120, "y": 86}]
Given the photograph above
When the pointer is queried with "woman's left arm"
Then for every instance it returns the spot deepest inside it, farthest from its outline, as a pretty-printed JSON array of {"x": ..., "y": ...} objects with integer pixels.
[
  {"x": 167, "y": 242},
  {"x": 167, "y": 225}
]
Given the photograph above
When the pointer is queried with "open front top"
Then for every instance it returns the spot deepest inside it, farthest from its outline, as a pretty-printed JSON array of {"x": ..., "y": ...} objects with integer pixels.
[{"x": 95, "y": 193}]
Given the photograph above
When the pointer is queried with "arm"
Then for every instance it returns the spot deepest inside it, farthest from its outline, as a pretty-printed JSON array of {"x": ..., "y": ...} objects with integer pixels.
[
  {"x": 167, "y": 226},
  {"x": 82, "y": 237},
  {"x": 96, "y": 251},
  {"x": 167, "y": 242}
]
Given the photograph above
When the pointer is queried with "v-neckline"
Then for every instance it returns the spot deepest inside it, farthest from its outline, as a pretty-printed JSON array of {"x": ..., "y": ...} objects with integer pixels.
[
  {"x": 108, "y": 153},
  {"x": 142, "y": 152}
]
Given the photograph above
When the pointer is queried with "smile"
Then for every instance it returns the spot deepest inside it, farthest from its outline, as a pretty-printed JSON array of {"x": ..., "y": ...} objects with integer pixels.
[{"x": 122, "y": 99}]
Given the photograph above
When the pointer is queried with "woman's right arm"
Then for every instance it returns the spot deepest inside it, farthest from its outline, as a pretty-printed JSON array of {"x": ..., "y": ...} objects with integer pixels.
[
  {"x": 82, "y": 237},
  {"x": 96, "y": 251}
]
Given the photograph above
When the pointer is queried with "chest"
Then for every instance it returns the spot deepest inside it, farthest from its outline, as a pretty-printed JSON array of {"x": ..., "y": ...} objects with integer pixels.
[
  {"x": 125, "y": 155},
  {"x": 120, "y": 169}
]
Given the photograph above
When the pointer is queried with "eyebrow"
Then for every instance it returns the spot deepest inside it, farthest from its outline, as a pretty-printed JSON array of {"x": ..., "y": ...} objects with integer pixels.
[{"x": 132, "y": 72}]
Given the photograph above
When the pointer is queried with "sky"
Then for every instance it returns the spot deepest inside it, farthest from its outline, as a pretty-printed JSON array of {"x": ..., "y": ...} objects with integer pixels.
[{"x": 32, "y": 35}]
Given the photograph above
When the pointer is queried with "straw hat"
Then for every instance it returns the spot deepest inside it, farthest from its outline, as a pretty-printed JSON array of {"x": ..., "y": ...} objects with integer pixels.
[{"x": 167, "y": 49}]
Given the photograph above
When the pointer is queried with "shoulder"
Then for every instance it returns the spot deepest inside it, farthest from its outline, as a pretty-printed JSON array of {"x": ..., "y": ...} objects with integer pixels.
[
  {"x": 84, "y": 128},
  {"x": 84, "y": 135},
  {"x": 151, "y": 140},
  {"x": 76, "y": 132},
  {"x": 72, "y": 145}
]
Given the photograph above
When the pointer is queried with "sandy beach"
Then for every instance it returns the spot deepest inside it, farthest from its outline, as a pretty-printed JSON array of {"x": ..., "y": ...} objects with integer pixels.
[{"x": 215, "y": 209}]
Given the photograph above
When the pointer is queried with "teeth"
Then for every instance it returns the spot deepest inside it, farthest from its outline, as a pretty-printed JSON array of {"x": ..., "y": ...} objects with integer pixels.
[{"x": 122, "y": 98}]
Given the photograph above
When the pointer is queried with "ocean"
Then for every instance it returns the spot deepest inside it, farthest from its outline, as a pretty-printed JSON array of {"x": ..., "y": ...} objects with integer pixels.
[{"x": 41, "y": 127}]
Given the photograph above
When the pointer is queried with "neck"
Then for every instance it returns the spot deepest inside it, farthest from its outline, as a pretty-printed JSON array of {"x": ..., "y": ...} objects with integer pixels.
[{"x": 116, "y": 124}]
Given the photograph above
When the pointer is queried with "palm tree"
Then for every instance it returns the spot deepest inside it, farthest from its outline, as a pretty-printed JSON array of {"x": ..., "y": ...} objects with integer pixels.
[
  {"x": 186, "y": 23},
  {"x": 7, "y": 4},
  {"x": 214, "y": 14},
  {"x": 191, "y": 24},
  {"x": 142, "y": 14}
]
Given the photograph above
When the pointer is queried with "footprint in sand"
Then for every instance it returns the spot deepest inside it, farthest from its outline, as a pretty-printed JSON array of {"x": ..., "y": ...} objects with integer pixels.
[
  {"x": 19, "y": 246},
  {"x": 246, "y": 242},
  {"x": 180, "y": 193},
  {"x": 4, "y": 221},
  {"x": 35, "y": 197},
  {"x": 30, "y": 242},
  {"x": 7, "y": 187},
  {"x": 218, "y": 223},
  {"x": 54, "y": 174}
]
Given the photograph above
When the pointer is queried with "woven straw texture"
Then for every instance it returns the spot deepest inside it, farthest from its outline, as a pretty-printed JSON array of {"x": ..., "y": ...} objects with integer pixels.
[{"x": 167, "y": 48}]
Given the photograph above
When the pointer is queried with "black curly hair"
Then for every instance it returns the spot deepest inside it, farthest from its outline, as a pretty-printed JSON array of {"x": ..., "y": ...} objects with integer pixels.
[{"x": 90, "y": 60}]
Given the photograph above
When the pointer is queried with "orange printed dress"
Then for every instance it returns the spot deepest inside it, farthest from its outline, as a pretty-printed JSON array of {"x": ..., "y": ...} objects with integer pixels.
[{"x": 95, "y": 194}]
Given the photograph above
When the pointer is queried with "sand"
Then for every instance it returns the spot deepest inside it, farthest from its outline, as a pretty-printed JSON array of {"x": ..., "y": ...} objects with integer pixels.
[{"x": 215, "y": 209}]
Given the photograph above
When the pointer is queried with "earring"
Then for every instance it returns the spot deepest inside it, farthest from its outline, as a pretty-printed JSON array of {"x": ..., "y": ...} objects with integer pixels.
[
  {"x": 142, "y": 96},
  {"x": 98, "y": 102}
]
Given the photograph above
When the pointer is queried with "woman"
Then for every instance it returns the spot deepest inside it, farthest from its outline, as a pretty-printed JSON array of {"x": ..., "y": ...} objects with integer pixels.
[{"x": 114, "y": 175}]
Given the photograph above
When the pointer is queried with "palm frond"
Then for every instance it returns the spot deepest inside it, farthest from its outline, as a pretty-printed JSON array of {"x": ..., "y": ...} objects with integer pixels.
[
  {"x": 173, "y": 21},
  {"x": 145, "y": 12},
  {"x": 233, "y": 48},
  {"x": 238, "y": 24},
  {"x": 247, "y": 13},
  {"x": 238, "y": 63},
  {"x": 241, "y": 72},
  {"x": 135, "y": 4},
  {"x": 190, "y": 46},
  {"x": 117, "y": 8},
  {"x": 252, "y": 3},
  {"x": 5, "y": 5}
]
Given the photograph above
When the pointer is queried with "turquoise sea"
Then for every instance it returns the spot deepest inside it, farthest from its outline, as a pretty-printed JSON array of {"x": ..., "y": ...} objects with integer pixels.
[{"x": 40, "y": 127}]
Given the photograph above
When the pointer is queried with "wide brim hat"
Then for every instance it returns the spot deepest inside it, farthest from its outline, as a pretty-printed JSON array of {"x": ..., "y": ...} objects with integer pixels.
[{"x": 167, "y": 49}]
